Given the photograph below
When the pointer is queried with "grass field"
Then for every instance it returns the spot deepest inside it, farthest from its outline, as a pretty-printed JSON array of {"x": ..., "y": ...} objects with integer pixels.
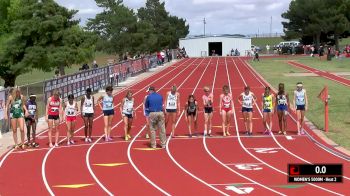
[
  {"x": 39, "y": 76},
  {"x": 336, "y": 65},
  {"x": 339, "y": 103},
  {"x": 263, "y": 41}
]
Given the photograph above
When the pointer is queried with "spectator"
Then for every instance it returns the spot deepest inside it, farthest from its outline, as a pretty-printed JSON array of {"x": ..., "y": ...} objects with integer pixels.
[
  {"x": 162, "y": 54},
  {"x": 154, "y": 104},
  {"x": 232, "y": 52},
  {"x": 57, "y": 74},
  {"x": 267, "y": 49},
  {"x": 236, "y": 52},
  {"x": 159, "y": 58},
  {"x": 94, "y": 65}
]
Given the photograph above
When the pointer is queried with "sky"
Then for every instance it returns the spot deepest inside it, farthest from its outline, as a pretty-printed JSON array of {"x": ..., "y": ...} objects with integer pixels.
[{"x": 222, "y": 16}]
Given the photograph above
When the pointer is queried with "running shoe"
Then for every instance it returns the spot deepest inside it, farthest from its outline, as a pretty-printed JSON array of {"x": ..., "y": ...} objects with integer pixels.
[
  {"x": 86, "y": 140},
  {"x": 284, "y": 133},
  {"x": 266, "y": 132},
  {"x": 126, "y": 138},
  {"x": 279, "y": 132},
  {"x": 147, "y": 136},
  {"x": 56, "y": 145},
  {"x": 72, "y": 142},
  {"x": 89, "y": 140},
  {"x": 68, "y": 143},
  {"x": 22, "y": 146},
  {"x": 228, "y": 133},
  {"x": 302, "y": 132},
  {"x": 50, "y": 145},
  {"x": 247, "y": 133},
  {"x": 205, "y": 132},
  {"x": 209, "y": 133},
  {"x": 110, "y": 139},
  {"x": 224, "y": 134},
  {"x": 35, "y": 145},
  {"x": 129, "y": 136},
  {"x": 190, "y": 135}
]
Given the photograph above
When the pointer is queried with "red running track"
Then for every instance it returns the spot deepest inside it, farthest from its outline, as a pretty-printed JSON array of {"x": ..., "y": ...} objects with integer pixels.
[
  {"x": 199, "y": 165},
  {"x": 321, "y": 73}
]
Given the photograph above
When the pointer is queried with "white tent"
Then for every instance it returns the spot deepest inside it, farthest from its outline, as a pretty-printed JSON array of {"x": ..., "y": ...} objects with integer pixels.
[{"x": 197, "y": 46}]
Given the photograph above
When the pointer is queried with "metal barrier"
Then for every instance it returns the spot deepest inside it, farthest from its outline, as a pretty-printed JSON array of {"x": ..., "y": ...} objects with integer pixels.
[{"x": 77, "y": 83}]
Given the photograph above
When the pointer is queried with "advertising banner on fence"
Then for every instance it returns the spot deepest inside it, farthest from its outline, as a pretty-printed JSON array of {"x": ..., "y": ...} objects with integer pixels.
[{"x": 2, "y": 104}]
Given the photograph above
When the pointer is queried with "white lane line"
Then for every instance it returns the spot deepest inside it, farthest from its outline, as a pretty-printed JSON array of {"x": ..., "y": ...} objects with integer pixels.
[
  {"x": 314, "y": 185},
  {"x": 87, "y": 156},
  {"x": 144, "y": 127},
  {"x": 43, "y": 165},
  {"x": 239, "y": 139},
  {"x": 296, "y": 156},
  {"x": 168, "y": 141},
  {"x": 323, "y": 147},
  {"x": 119, "y": 92}
]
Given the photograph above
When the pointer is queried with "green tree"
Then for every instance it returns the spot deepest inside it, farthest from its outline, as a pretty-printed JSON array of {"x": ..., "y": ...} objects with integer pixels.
[
  {"x": 167, "y": 29},
  {"x": 317, "y": 19},
  {"x": 42, "y": 35},
  {"x": 116, "y": 27}
]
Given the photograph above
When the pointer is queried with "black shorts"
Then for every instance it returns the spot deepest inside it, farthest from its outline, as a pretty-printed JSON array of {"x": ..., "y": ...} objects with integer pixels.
[
  {"x": 244, "y": 109},
  {"x": 171, "y": 110},
  {"x": 301, "y": 107},
  {"x": 88, "y": 115},
  {"x": 128, "y": 115},
  {"x": 29, "y": 120},
  {"x": 53, "y": 117},
  {"x": 191, "y": 114},
  {"x": 208, "y": 110},
  {"x": 108, "y": 112}
]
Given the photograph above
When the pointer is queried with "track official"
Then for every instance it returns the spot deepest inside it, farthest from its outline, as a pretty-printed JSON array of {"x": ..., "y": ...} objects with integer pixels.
[{"x": 154, "y": 104}]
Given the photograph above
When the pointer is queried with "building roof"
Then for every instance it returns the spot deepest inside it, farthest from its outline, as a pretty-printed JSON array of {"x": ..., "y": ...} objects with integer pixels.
[{"x": 221, "y": 35}]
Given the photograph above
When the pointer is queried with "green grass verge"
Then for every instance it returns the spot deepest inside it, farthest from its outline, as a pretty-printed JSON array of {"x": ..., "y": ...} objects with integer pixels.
[
  {"x": 336, "y": 65},
  {"x": 263, "y": 41},
  {"x": 39, "y": 76},
  {"x": 273, "y": 71}
]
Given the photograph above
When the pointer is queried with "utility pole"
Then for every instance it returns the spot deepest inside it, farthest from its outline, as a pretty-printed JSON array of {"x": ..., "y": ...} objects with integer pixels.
[
  {"x": 271, "y": 27},
  {"x": 204, "y": 23}
]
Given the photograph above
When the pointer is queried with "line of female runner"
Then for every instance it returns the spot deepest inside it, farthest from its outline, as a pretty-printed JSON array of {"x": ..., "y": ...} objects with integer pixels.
[{"x": 20, "y": 111}]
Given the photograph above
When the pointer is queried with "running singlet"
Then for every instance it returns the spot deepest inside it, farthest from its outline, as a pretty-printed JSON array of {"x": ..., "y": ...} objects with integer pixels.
[
  {"x": 70, "y": 109},
  {"x": 128, "y": 106},
  {"x": 208, "y": 100},
  {"x": 191, "y": 107},
  {"x": 16, "y": 108},
  {"x": 267, "y": 102},
  {"x": 300, "y": 97},
  {"x": 171, "y": 102},
  {"x": 247, "y": 100},
  {"x": 31, "y": 106},
  {"x": 226, "y": 101},
  {"x": 88, "y": 107},
  {"x": 107, "y": 103},
  {"x": 54, "y": 107},
  {"x": 282, "y": 99}
]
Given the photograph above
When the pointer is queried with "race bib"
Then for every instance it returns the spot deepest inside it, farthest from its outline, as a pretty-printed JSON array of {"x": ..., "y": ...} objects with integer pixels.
[
  {"x": 267, "y": 104},
  {"x": 54, "y": 109},
  {"x": 227, "y": 105},
  {"x": 70, "y": 112},
  {"x": 281, "y": 102}
]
